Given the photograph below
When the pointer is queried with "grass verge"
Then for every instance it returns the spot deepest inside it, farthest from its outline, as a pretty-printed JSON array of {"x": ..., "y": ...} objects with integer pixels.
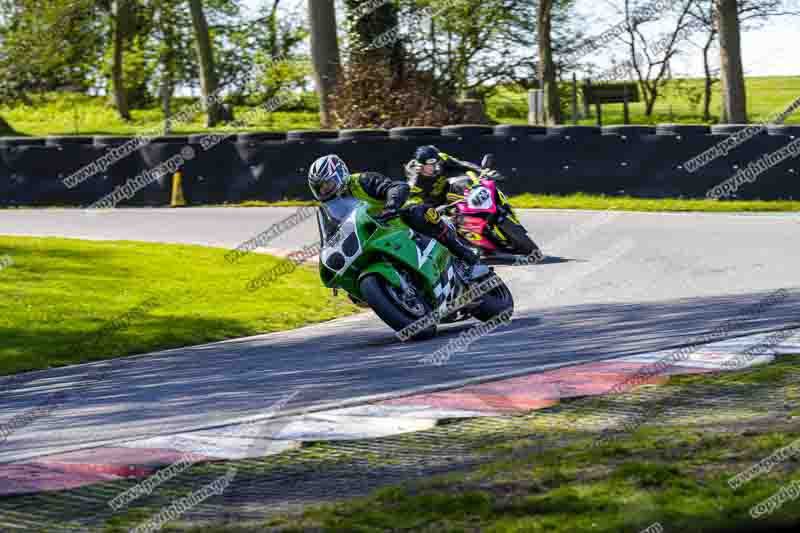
[
  {"x": 66, "y": 301},
  {"x": 548, "y": 470},
  {"x": 609, "y": 203},
  {"x": 627, "y": 203},
  {"x": 673, "y": 472},
  {"x": 79, "y": 114}
]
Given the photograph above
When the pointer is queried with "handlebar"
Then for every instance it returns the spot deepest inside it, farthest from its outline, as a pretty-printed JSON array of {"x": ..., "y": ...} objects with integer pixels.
[
  {"x": 496, "y": 177},
  {"x": 400, "y": 212}
]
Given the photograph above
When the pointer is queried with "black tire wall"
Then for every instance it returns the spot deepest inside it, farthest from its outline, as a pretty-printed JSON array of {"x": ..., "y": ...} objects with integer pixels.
[{"x": 636, "y": 160}]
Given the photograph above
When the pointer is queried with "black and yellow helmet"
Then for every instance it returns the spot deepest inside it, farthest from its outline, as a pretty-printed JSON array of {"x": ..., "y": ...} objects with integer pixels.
[{"x": 428, "y": 161}]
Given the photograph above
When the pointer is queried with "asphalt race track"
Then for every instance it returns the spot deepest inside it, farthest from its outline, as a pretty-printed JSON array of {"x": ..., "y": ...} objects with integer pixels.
[{"x": 616, "y": 284}]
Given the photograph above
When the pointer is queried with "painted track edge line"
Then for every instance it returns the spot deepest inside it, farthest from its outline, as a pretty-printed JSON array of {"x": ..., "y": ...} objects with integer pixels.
[{"x": 366, "y": 400}]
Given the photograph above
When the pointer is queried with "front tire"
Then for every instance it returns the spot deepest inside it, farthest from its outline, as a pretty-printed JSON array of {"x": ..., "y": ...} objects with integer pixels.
[
  {"x": 520, "y": 242},
  {"x": 495, "y": 302},
  {"x": 374, "y": 289}
]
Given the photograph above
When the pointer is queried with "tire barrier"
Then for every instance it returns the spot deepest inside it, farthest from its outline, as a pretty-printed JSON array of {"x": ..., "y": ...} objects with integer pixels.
[
  {"x": 513, "y": 130},
  {"x": 363, "y": 134},
  {"x": 574, "y": 132},
  {"x": 635, "y": 160},
  {"x": 415, "y": 132},
  {"x": 156, "y": 153},
  {"x": 728, "y": 129},
  {"x": 682, "y": 130},
  {"x": 467, "y": 130},
  {"x": 122, "y": 165},
  {"x": 792, "y": 131},
  {"x": 311, "y": 135},
  {"x": 629, "y": 130}
]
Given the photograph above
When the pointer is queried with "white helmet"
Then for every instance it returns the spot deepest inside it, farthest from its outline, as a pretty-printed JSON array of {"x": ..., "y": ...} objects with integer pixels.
[{"x": 328, "y": 177}]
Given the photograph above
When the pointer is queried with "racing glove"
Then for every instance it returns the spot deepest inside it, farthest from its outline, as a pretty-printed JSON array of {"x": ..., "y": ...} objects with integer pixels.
[
  {"x": 387, "y": 215},
  {"x": 492, "y": 175}
]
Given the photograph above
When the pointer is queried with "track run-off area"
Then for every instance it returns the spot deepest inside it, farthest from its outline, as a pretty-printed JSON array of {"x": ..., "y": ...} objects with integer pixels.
[{"x": 615, "y": 286}]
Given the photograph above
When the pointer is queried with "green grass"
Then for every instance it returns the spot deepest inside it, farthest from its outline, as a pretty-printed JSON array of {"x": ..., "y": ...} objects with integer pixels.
[
  {"x": 765, "y": 96},
  {"x": 279, "y": 203},
  {"x": 75, "y": 114},
  {"x": 60, "y": 293},
  {"x": 612, "y": 203},
  {"x": 673, "y": 473}
]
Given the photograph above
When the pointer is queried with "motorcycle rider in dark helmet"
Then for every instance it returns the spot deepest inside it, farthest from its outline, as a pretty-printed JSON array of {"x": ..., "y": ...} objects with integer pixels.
[
  {"x": 428, "y": 171},
  {"x": 329, "y": 177}
]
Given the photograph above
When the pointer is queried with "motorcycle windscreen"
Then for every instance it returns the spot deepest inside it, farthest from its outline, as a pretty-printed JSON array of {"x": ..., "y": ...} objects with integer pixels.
[{"x": 337, "y": 224}]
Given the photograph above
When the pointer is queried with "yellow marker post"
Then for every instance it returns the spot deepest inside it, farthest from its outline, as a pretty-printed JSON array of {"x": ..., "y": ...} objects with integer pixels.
[{"x": 177, "y": 191}]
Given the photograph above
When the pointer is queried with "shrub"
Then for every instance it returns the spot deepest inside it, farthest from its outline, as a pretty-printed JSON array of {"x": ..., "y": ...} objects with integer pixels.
[{"x": 371, "y": 95}]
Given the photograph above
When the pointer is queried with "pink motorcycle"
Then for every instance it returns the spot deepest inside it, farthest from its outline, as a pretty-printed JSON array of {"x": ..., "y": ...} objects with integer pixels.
[{"x": 484, "y": 217}]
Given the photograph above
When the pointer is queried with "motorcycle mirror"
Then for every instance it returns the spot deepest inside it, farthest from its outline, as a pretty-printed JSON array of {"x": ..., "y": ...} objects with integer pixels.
[{"x": 488, "y": 161}]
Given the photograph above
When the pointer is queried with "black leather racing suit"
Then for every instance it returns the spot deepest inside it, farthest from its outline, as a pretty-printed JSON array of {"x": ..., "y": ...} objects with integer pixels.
[
  {"x": 432, "y": 190},
  {"x": 420, "y": 217}
]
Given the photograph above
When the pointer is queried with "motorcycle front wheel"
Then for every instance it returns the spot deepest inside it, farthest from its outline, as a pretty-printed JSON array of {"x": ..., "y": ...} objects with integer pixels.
[
  {"x": 494, "y": 303},
  {"x": 518, "y": 240},
  {"x": 390, "y": 306}
]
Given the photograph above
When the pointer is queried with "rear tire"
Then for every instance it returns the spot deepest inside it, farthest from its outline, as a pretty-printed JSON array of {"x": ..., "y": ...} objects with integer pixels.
[
  {"x": 518, "y": 238},
  {"x": 495, "y": 302},
  {"x": 374, "y": 290}
]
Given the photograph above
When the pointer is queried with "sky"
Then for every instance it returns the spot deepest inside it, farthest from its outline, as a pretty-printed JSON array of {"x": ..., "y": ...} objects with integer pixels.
[{"x": 767, "y": 51}]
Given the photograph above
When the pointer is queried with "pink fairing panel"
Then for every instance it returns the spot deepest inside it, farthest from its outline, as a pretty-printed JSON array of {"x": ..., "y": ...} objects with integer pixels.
[
  {"x": 473, "y": 229},
  {"x": 479, "y": 199}
]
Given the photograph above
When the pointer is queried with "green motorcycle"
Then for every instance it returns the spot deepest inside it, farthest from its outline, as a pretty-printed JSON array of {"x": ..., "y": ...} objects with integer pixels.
[{"x": 405, "y": 277}]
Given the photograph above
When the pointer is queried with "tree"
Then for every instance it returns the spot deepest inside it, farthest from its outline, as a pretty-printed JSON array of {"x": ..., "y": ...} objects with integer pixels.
[
  {"x": 751, "y": 14},
  {"x": 123, "y": 14},
  {"x": 702, "y": 13},
  {"x": 277, "y": 64},
  {"x": 650, "y": 58},
  {"x": 367, "y": 27},
  {"x": 324, "y": 54},
  {"x": 547, "y": 71},
  {"x": 205, "y": 57},
  {"x": 734, "y": 99},
  {"x": 168, "y": 57},
  {"x": 45, "y": 46}
]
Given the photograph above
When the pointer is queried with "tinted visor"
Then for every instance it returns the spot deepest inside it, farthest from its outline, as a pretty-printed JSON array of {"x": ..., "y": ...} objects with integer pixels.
[
  {"x": 428, "y": 169},
  {"x": 327, "y": 187}
]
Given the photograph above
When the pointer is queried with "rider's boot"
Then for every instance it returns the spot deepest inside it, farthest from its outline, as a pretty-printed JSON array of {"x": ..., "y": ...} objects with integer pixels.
[{"x": 474, "y": 268}]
